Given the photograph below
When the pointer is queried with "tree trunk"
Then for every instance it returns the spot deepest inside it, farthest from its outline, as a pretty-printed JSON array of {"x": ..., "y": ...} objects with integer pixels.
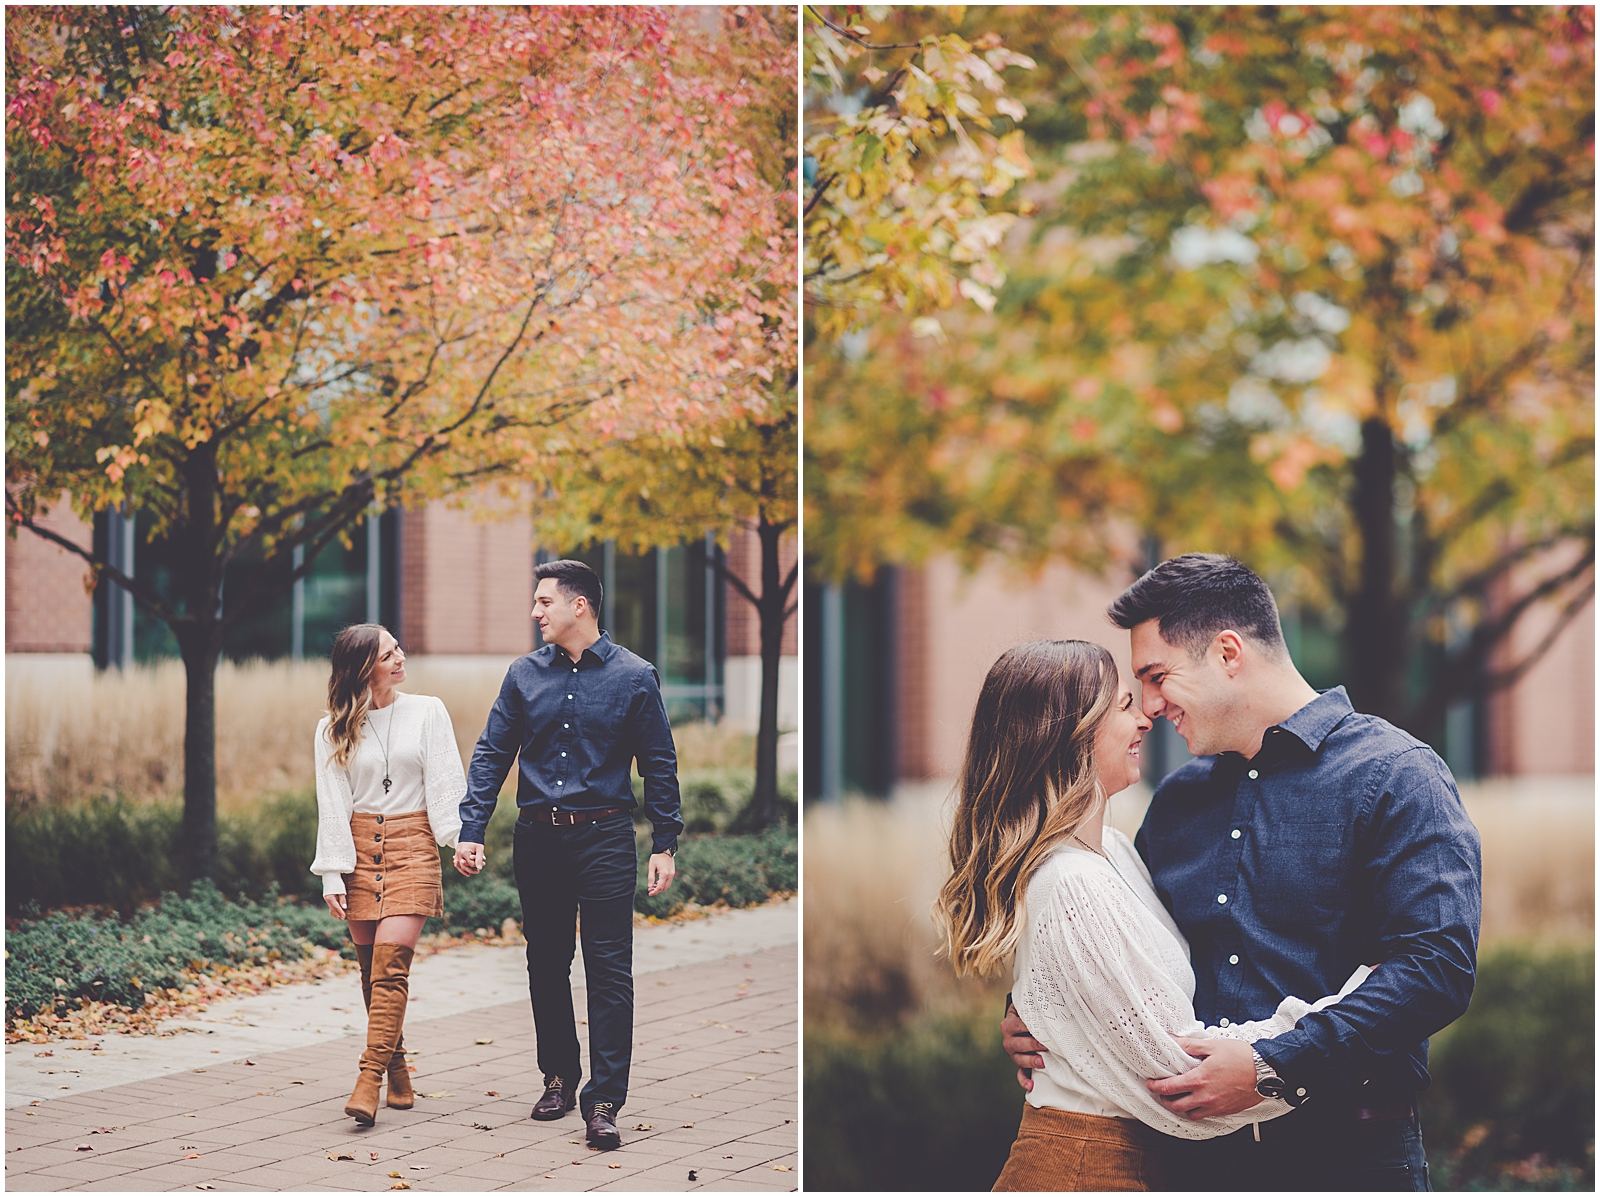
[
  {"x": 200, "y": 640},
  {"x": 763, "y": 809},
  {"x": 201, "y": 649},
  {"x": 1374, "y": 639}
]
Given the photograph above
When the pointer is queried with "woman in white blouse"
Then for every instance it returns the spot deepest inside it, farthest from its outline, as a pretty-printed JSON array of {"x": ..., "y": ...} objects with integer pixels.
[
  {"x": 389, "y": 787},
  {"x": 1101, "y": 972}
]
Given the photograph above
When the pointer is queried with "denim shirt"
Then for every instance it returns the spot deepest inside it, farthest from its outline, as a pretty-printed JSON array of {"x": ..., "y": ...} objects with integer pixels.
[
  {"x": 1342, "y": 842},
  {"x": 578, "y": 729}
]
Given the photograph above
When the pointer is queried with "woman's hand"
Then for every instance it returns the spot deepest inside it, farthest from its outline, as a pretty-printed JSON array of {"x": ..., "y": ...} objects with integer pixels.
[
  {"x": 336, "y": 905},
  {"x": 470, "y": 859}
]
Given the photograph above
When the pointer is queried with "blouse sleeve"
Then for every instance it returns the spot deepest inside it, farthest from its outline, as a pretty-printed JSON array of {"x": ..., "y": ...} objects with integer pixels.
[
  {"x": 1095, "y": 967},
  {"x": 336, "y": 849},
  {"x": 444, "y": 783}
]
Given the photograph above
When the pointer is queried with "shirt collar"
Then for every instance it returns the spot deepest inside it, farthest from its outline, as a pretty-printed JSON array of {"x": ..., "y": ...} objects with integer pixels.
[
  {"x": 1314, "y": 722},
  {"x": 600, "y": 650}
]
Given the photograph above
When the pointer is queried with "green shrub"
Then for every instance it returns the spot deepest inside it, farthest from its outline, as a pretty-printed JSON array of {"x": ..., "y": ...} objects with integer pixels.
[
  {"x": 65, "y": 958},
  {"x": 1512, "y": 1102},
  {"x": 485, "y": 902},
  {"x": 118, "y": 853},
  {"x": 737, "y": 870},
  {"x": 932, "y": 1106}
]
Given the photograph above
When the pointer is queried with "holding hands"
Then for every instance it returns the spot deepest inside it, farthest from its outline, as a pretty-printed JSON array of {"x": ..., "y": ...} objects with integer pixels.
[{"x": 469, "y": 859}]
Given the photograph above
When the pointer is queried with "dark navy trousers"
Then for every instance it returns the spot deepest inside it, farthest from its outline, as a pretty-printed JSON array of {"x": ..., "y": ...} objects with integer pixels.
[
  {"x": 1303, "y": 1151},
  {"x": 561, "y": 871}
]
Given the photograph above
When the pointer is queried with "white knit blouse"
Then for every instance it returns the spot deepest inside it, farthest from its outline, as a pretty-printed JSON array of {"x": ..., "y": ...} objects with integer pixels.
[
  {"x": 424, "y": 768},
  {"x": 1103, "y": 980}
]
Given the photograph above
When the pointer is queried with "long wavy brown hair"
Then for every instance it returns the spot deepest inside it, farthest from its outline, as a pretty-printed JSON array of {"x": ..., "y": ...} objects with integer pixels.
[
  {"x": 355, "y": 652},
  {"x": 1027, "y": 783}
]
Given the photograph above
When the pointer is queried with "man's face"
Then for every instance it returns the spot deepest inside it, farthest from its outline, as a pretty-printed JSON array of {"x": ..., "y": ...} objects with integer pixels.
[
  {"x": 1192, "y": 693},
  {"x": 555, "y": 612}
]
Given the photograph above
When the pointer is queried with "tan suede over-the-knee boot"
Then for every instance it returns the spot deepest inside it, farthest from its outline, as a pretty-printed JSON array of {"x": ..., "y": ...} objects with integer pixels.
[
  {"x": 391, "y": 969},
  {"x": 401, "y": 1095}
]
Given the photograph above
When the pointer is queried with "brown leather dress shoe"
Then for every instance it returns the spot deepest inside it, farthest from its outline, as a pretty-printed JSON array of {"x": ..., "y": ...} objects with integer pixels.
[
  {"x": 559, "y": 1097},
  {"x": 602, "y": 1120}
]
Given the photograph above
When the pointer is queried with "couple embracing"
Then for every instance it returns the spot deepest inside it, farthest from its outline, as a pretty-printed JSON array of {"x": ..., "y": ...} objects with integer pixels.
[
  {"x": 575, "y": 714},
  {"x": 1240, "y": 998}
]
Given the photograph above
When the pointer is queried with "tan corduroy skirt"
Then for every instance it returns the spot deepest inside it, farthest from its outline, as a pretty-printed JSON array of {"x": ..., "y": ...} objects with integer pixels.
[
  {"x": 397, "y": 867},
  {"x": 1061, "y": 1152}
]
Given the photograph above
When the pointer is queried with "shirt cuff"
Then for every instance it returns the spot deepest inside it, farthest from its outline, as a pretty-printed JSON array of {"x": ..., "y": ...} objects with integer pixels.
[
  {"x": 663, "y": 843},
  {"x": 332, "y": 883}
]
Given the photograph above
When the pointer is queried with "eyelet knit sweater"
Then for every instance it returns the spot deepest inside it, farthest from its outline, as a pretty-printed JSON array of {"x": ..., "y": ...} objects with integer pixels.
[{"x": 424, "y": 767}]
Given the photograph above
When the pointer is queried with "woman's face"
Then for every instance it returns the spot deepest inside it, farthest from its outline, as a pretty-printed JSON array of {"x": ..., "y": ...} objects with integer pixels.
[
  {"x": 1116, "y": 744},
  {"x": 389, "y": 670}
]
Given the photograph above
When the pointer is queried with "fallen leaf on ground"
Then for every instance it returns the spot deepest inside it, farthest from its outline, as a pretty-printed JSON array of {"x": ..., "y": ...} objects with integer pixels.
[
  {"x": 491, "y": 1093},
  {"x": 727, "y": 1157},
  {"x": 482, "y": 1041},
  {"x": 697, "y": 1095},
  {"x": 481, "y": 1126},
  {"x": 373, "y": 1154},
  {"x": 692, "y": 1176},
  {"x": 399, "y": 1184},
  {"x": 206, "y": 1187},
  {"x": 343, "y": 1156},
  {"x": 297, "y": 1082},
  {"x": 613, "y": 1165},
  {"x": 421, "y": 1167},
  {"x": 782, "y": 1168},
  {"x": 688, "y": 1126},
  {"x": 85, "y": 1147},
  {"x": 396, "y": 1175},
  {"x": 643, "y": 1126},
  {"x": 438, "y": 1095},
  {"x": 251, "y": 1063},
  {"x": 191, "y": 1155}
]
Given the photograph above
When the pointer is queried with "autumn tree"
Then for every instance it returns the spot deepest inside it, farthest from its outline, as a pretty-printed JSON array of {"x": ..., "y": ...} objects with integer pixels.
[
  {"x": 269, "y": 270},
  {"x": 907, "y": 190},
  {"x": 1314, "y": 286},
  {"x": 740, "y": 471}
]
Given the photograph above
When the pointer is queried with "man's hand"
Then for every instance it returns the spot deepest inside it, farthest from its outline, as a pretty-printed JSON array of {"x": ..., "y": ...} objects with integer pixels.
[
  {"x": 1024, "y": 1049},
  {"x": 336, "y": 904},
  {"x": 469, "y": 859},
  {"x": 662, "y": 870},
  {"x": 1224, "y": 1082}
]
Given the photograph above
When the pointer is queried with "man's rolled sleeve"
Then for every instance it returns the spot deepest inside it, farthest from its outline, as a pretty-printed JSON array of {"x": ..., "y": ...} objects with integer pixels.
[
  {"x": 1422, "y": 869},
  {"x": 491, "y": 760},
  {"x": 657, "y": 757}
]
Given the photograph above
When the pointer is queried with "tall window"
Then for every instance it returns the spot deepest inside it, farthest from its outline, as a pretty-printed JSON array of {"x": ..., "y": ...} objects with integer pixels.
[{"x": 345, "y": 585}]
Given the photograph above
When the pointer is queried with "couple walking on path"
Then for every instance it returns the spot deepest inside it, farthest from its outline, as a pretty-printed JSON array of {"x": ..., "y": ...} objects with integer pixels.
[
  {"x": 576, "y": 714},
  {"x": 1308, "y": 849}
]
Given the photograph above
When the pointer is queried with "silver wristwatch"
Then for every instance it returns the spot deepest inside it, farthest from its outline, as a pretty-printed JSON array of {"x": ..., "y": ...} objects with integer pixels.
[{"x": 1272, "y": 1086}]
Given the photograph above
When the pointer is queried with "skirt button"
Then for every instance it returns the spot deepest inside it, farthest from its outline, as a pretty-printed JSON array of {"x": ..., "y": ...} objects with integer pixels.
[
  {"x": 380, "y": 818},
  {"x": 377, "y": 860}
]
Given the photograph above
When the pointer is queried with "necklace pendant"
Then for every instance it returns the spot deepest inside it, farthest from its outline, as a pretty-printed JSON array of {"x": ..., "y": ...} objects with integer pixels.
[{"x": 386, "y": 784}]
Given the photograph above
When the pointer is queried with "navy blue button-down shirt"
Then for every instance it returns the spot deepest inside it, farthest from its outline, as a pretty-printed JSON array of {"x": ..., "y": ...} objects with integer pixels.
[
  {"x": 578, "y": 728},
  {"x": 1342, "y": 842}
]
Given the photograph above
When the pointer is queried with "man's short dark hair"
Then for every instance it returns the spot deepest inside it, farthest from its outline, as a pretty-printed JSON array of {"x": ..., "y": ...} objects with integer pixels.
[
  {"x": 573, "y": 578},
  {"x": 1197, "y": 595}
]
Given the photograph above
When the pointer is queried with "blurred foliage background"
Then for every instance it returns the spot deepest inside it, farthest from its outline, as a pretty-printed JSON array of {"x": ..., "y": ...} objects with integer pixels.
[{"x": 1312, "y": 286}]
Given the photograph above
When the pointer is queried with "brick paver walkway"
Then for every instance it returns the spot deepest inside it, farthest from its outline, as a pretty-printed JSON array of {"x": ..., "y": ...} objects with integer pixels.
[{"x": 715, "y": 1085}]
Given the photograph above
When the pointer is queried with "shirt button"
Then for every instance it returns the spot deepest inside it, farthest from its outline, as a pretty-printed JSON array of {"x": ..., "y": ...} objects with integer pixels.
[
  {"x": 563, "y": 754},
  {"x": 1299, "y": 1092},
  {"x": 1222, "y": 899},
  {"x": 558, "y": 783},
  {"x": 1233, "y": 960},
  {"x": 574, "y": 669},
  {"x": 566, "y": 725},
  {"x": 1254, "y": 775},
  {"x": 1222, "y": 1022},
  {"x": 1237, "y": 833},
  {"x": 569, "y": 696}
]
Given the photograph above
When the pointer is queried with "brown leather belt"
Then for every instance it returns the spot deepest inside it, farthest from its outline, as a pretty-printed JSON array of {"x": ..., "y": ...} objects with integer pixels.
[{"x": 549, "y": 816}]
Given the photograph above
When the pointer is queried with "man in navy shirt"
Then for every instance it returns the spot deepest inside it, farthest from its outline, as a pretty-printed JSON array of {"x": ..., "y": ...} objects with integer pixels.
[
  {"x": 1305, "y": 839},
  {"x": 576, "y": 714}
]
